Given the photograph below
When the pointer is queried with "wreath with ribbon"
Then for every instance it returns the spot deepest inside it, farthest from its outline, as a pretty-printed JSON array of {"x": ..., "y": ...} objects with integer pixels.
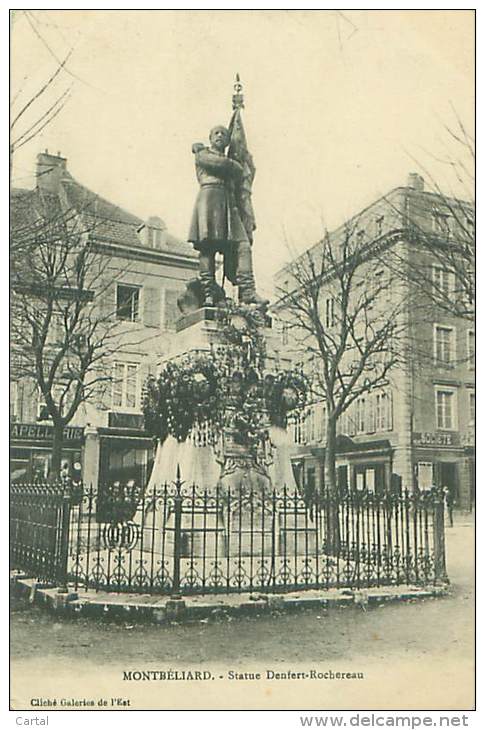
[
  {"x": 198, "y": 389},
  {"x": 186, "y": 393},
  {"x": 285, "y": 392}
]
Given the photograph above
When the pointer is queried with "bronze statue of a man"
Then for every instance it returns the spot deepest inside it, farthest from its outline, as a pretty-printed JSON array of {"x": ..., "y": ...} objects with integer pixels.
[{"x": 216, "y": 225}]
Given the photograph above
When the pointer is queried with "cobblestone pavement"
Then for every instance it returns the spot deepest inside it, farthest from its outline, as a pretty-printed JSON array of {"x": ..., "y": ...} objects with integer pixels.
[{"x": 423, "y": 651}]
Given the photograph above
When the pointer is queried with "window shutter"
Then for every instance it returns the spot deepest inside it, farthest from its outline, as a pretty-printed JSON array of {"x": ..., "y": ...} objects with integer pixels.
[
  {"x": 352, "y": 418},
  {"x": 151, "y": 310},
  {"x": 371, "y": 416},
  {"x": 390, "y": 424}
]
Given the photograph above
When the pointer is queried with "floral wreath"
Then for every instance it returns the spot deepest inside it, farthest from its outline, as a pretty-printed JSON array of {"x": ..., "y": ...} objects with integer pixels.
[
  {"x": 275, "y": 389},
  {"x": 198, "y": 389},
  {"x": 248, "y": 338},
  {"x": 185, "y": 394}
]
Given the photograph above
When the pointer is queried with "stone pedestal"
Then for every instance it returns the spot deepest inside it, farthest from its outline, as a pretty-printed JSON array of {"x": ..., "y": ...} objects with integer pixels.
[
  {"x": 198, "y": 330},
  {"x": 236, "y": 509}
]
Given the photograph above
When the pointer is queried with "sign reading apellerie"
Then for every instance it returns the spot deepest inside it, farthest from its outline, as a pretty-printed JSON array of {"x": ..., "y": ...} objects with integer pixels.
[
  {"x": 37, "y": 432},
  {"x": 436, "y": 438}
]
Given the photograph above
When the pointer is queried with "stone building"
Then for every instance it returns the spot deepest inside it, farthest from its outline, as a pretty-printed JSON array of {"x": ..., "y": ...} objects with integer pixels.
[
  {"x": 145, "y": 269},
  {"x": 418, "y": 429}
]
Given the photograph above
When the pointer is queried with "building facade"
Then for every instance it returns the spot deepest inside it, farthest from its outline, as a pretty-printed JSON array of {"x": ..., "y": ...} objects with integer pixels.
[
  {"x": 144, "y": 270},
  {"x": 418, "y": 428}
]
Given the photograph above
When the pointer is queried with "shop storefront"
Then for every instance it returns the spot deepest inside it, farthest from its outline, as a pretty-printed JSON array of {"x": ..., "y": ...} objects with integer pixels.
[
  {"x": 31, "y": 447},
  {"x": 125, "y": 455},
  {"x": 361, "y": 466},
  {"x": 440, "y": 460},
  {"x": 120, "y": 454}
]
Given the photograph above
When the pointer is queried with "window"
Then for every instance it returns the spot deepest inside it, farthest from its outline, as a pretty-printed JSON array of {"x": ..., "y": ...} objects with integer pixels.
[
  {"x": 42, "y": 412},
  {"x": 321, "y": 422},
  {"x": 125, "y": 385},
  {"x": 443, "y": 281},
  {"x": 56, "y": 333},
  {"x": 348, "y": 421},
  {"x": 329, "y": 312},
  {"x": 441, "y": 224},
  {"x": 154, "y": 237},
  {"x": 370, "y": 480},
  {"x": 371, "y": 416},
  {"x": 297, "y": 429},
  {"x": 361, "y": 425},
  {"x": 284, "y": 333},
  {"x": 444, "y": 344},
  {"x": 425, "y": 475},
  {"x": 471, "y": 403},
  {"x": 127, "y": 302},
  {"x": 57, "y": 392},
  {"x": 471, "y": 349},
  {"x": 383, "y": 408},
  {"x": 445, "y": 408},
  {"x": 310, "y": 425}
]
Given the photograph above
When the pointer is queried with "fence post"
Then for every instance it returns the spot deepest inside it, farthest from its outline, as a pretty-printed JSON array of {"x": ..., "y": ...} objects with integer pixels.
[
  {"x": 63, "y": 555},
  {"x": 440, "y": 574},
  {"x": 177, "y": 536}
]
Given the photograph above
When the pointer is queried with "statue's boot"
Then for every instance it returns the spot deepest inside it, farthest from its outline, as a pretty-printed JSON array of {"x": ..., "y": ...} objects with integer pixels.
[
  {"x": 207, "y": 276},
  {"x": 245, "y": 277}
]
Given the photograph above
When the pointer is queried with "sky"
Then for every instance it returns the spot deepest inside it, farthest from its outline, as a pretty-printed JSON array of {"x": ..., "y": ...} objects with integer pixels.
[{"x": 339, "y": 107}]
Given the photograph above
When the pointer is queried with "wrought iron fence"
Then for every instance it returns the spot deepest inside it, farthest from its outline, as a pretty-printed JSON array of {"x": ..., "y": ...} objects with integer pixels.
[
  {"x": 39, "y": 530},
  {"x": 179, "y": 539}
]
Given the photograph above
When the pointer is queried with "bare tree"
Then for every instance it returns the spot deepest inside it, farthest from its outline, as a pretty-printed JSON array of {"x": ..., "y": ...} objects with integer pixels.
[
  {"x": 343, "y": 313},
  {"x": 34, "y": 104},
  {"x": 442, "y": 265},
  {"x": 62, "y": 335}
]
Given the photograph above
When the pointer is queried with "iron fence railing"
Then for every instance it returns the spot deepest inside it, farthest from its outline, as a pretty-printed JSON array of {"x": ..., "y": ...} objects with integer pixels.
[
  {"x": 39, "y": 530},
  {"x": 179, "y": 539}
]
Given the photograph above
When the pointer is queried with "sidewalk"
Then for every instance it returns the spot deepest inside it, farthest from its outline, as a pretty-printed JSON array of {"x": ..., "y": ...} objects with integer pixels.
[{"x": 163, "y": 609}]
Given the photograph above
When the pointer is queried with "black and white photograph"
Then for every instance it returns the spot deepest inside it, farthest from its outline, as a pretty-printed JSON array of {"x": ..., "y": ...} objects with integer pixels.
[{"x": 242, "y": 361}]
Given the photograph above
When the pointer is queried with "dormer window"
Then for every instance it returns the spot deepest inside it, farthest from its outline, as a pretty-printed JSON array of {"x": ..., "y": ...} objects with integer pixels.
[
  {"x": 441, "y": 224},
  {"x": 154, "y": 237},
  {"x": 154, "y": 230}
]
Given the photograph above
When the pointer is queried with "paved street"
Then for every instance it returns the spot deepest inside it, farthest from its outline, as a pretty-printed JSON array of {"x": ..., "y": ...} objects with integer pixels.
[{"x": 417, "y": 654}]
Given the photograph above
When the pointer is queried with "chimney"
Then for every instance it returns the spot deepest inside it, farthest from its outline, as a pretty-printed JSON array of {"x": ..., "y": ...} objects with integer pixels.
[
  {"x": 416, "y": 182},
  {"x": 50, "y": 169}
]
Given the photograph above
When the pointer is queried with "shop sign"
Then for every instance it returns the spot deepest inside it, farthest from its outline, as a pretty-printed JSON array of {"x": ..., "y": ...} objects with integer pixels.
[
  {"x": 125, "y": 420},
  {"x": 38, "y": 432},
  {"x": 436, "y": 438}
]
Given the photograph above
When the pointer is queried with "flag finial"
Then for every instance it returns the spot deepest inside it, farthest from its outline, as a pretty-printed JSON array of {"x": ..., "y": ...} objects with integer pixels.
[{"x": 237, "y": 97}]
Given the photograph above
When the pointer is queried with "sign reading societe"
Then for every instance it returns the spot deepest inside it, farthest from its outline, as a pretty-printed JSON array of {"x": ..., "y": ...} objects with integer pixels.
[{"x": 436, "y": 438}]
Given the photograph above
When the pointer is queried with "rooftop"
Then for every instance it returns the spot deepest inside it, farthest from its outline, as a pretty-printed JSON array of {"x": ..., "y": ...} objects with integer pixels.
[{"x": 110, "y": 223}]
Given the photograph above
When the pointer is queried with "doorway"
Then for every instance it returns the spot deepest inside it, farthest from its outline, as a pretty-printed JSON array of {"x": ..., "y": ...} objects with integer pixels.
[{"x": 448, "y": 477}]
